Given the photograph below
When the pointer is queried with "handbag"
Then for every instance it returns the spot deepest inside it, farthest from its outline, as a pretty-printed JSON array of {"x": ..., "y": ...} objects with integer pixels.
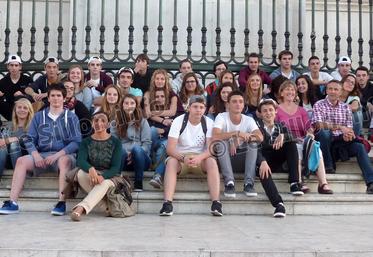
[
  {"x": 72, "y": 185},
  {"x": 311, "y": 155},
  {"x": 119, "y": 198}
]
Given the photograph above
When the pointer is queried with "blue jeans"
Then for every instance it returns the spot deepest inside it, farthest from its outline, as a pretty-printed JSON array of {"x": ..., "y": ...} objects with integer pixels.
[
  {"x": 355, "y": 149},
  {"x": 140, "y": 162},
  {"x": 358, "y": 150},
  {"x": 357, "y": 120},
  {"x": 159, "y": 146},
  {"x": 325, "y": 139},
  {"x": 14, "y": 151}
]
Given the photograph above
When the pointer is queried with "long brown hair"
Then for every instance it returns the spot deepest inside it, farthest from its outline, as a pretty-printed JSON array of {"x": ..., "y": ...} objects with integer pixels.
[
  {"x": 222, "y": 75},
  {"x": 15, "y": 121},
  {"x": 107, "y": 107},
  {"x": 249, "y": 92},
  {"x": 183, "y": 92},
  {"x": 219, "y": 105},
  {"x": 166, "y": 89},
  {"x": 355, "y": 91},
  {"x": 123, "y": 120}
]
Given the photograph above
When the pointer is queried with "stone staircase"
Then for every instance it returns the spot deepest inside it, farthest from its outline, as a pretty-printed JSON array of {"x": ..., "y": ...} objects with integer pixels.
[{"x": 40, "y": 194}]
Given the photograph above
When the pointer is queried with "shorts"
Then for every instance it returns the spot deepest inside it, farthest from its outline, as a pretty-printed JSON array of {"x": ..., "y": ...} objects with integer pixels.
[
  {"x": 188, "y": 170},
  {"x": 53, "y": 167}
]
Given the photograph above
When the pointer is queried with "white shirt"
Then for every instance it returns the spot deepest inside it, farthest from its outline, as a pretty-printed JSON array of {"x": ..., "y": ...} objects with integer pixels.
[
  {"x": 192, "y": 140},
  {"x": 323, "y": 76},
  {"x": 223, "y": 122},
  {"x": 336, "y": 75}
]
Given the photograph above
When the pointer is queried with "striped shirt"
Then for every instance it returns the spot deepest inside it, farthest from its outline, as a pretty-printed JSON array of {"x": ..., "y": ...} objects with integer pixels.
[{"x": 339, "y": 114}]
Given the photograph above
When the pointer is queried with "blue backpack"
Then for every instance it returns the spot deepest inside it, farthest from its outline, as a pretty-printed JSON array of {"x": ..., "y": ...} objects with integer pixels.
[{"x": 311, "y": 156}]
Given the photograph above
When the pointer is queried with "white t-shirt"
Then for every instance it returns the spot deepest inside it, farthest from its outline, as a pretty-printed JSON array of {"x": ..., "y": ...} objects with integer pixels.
[
  {"x": 323, "y": 76},
  {"x": 336, "y": 75},
  {"x": 192, "y": 140},
  {"x": 95, "y": 92},
  {"x": 223, "y": 122}
]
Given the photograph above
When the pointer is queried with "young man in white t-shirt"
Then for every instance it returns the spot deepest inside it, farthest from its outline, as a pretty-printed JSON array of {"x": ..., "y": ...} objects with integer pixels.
[
  {"x": 319, "y": 78},
  {"x": 96, "y": 79},
  {"x": 237, "y": 134},
  {"x": 188, "y": 151},
  {"x": 344, "y": 68}
]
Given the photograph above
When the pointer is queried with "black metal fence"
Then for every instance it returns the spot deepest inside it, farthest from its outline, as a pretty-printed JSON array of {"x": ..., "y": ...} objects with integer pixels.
[{"x": 201, "y": 30}]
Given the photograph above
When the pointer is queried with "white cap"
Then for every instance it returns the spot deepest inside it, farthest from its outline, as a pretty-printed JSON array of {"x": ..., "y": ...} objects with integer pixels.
[
  {"x": 51, "y": 59},
  {"x": 344, "y": 60},
  {"x": 125, "y": 69},
  {"x": 93, "y": 58},
  {"x": 14, "y": 58}
]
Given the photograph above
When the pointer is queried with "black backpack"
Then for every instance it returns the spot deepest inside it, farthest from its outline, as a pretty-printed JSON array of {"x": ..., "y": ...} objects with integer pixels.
[{"x": 185, "y": 123}]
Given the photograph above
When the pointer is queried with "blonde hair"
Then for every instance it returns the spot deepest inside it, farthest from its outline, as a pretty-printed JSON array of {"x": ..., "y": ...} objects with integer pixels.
[
  {"x": 249, "y": 92},
  {"x": 166, "y": 89},
  {"x": 106, "y": 107},
  {"x": 15, "y": 121},
  {"x": 81, "y": 83},
  {"x": 287, "y": 83}
]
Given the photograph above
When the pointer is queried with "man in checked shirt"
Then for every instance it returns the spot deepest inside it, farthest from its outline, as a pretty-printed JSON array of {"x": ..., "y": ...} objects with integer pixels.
[{"x": 333, "y": 119}]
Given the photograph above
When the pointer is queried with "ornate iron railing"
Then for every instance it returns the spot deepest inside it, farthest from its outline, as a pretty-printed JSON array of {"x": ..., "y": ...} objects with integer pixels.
[{"x": 201, "y": 30}]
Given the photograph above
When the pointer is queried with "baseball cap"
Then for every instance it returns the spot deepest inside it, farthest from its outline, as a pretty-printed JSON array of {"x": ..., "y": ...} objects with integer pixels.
[
  {"x": 344, "y": 60},
  {"x": 51, "y": 59},
  {"x": 265, "y": 101},
  {"x": 125, "y": 69},
  {"x": 93, "y": 58},
  {"x": 197, "y": 99},
  {"x": 14, "y": 58}
]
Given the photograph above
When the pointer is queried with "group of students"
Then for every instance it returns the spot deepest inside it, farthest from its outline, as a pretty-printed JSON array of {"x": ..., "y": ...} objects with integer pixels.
[{"x": 180, "y": 127}]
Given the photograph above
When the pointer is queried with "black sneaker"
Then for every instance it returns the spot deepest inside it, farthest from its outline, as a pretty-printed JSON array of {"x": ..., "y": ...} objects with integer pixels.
[
  {"x": 229, "y": 190},
  {"x": 296, "y": 189},
  {"x": 370, "y": 188},
  {"x": 279, "y": 211},
  {"x": 138, "y": 186},
  {"x": 329, "y": 170},
  {"x": 249, "y": 190},
  {"x": 216, "y": 208},
  {"x": 167, "y": 209}
]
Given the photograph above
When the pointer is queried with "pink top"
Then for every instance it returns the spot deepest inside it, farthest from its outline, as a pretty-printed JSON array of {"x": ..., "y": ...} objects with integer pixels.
[{"x": 298, "y": 123}]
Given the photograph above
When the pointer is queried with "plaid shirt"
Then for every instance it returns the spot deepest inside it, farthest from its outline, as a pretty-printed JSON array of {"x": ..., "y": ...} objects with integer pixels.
[{"x": 340, "y": 114}]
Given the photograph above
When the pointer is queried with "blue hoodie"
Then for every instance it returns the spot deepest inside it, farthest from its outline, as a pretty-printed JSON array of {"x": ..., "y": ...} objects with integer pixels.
[{"x": 46, "y": 135}]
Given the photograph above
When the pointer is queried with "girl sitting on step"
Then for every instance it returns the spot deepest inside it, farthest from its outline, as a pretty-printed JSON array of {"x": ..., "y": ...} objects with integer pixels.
[
  {"x": 11, "y": 141},
  {"x": 134, "y": 132},
  {"x": 161, "y": 106},
  {"x": 99, "y": 160}
]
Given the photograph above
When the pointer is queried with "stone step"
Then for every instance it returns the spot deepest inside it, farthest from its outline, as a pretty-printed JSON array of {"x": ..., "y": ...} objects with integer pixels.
[
  {"x": 347, "y": 167},
  {"x": 340, "y": 183},
  {"x": 199, "y": 203},
  {"x": 38, "y": 234}
]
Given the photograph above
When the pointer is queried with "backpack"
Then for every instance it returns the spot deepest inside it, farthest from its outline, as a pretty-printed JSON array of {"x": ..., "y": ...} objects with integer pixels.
[
  {"x": 185, "y": 123},
  {"x": 311, "y": 156},
  {"x": 119, "y": 198}
]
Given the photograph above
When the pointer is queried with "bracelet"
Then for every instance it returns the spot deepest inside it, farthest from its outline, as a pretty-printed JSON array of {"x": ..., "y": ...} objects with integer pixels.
[{"x": 182, "y": 158}]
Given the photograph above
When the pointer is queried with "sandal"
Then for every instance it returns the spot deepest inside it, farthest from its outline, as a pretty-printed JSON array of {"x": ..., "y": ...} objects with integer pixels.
[
  {"x": 304, "y": 188},
  {"x": 321, "y": 189},
  {"x": 77, "y": 215}
]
